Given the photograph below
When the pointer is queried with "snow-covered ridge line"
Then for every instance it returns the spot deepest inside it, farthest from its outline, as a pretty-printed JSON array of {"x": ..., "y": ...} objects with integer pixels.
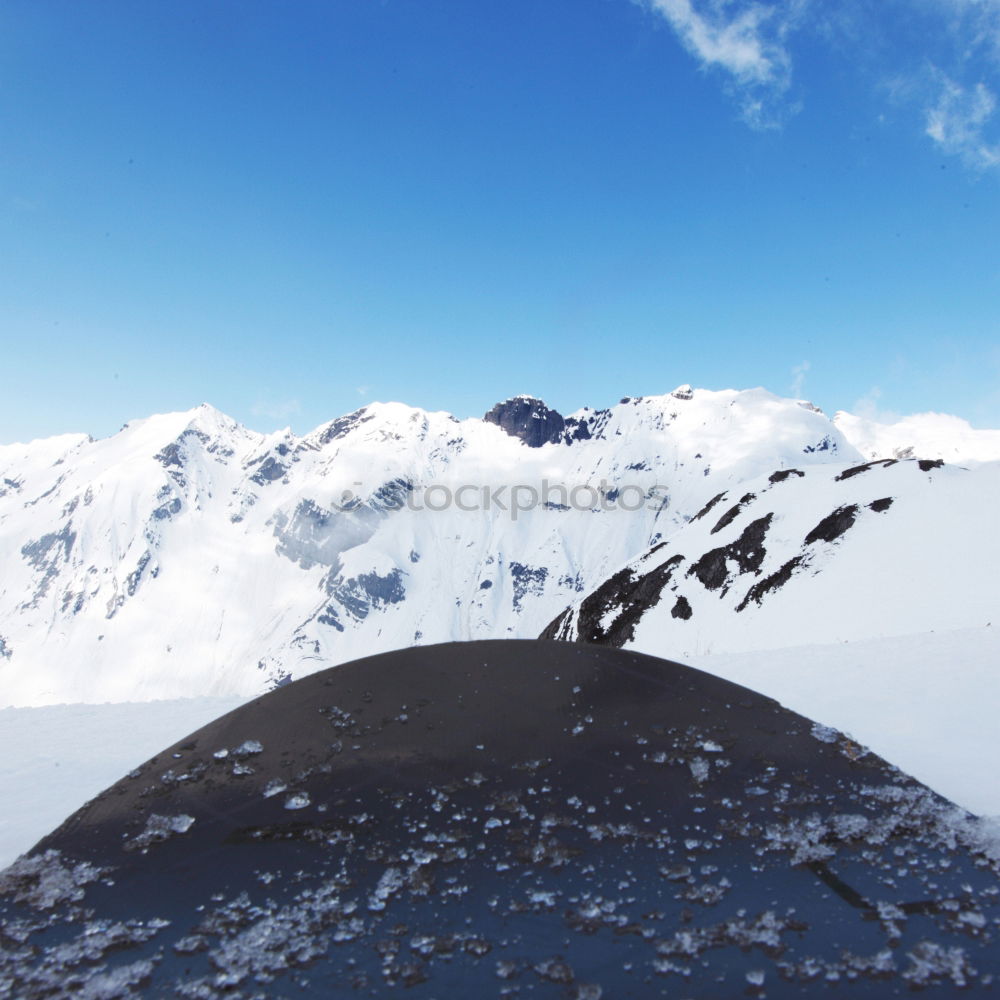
[
  {"x": 919, "y": 435},
  {"x": 188, "y": 555}
]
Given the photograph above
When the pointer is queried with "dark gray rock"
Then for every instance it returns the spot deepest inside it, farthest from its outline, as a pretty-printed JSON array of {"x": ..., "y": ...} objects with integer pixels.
[
  {"x": 826, "y": 444},
  {"x": 527, "y": 580},
  {"x": 708, "y": 506},
  {"x": 531, "y": 421},
  {"x": 856, "y": 470},
  {"x": 361, "y": 594},
  {"x": 733, "y": 512},
  {"x": 782, "y": 474},
  {"x": 270, "y": 470},
  {"x": 44, "y": 551},
  {"x": 747, "y": 552},
  {"x": 681, "y": 608},
  {"x": 610, "y": 614},
  {"x": 167, "y": 510},
  {"x": 343, "y": 426},
  {"x": 833, "y": 525},
  {"x": 775, "y": 581}
]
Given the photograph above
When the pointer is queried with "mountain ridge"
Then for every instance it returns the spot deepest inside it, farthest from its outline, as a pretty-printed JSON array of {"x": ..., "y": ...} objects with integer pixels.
[{"x": 190, "y": 555}]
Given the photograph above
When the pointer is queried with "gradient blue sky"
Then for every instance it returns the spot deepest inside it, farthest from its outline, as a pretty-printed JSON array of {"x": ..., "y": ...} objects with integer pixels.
[{"x": 288, "y": 209}]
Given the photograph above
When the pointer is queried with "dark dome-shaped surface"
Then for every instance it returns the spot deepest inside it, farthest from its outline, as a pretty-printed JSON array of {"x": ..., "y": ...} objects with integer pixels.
[{"x": 506, "y": 818}]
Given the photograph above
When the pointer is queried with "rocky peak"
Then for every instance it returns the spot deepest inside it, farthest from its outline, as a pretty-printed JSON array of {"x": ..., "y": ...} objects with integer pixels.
[{"x": 527, "y": 419}]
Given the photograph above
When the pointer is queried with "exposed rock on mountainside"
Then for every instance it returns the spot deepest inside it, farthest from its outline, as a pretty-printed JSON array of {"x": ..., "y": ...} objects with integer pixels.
[
  {"x": 187, "y": 554},
  {"x": 797, "y": 572},
  {"x": 527, "y": 419}
]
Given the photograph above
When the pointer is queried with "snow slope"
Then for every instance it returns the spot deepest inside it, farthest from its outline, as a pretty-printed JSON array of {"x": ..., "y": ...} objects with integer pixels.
[
  {"x": 923, "y": 435},
  {"x": 926, "y": 702},
  {"x": 56, "y": 758},
  {"x": 187, "y": 555},
  {"x": 820, "y": 555}
]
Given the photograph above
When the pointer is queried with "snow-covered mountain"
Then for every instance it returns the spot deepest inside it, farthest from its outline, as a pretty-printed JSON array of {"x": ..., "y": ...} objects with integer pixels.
[
  {"x": 809, "y": 556},
  {"x": 187, "y": 555},
  {"x": 923, "y": 435}
]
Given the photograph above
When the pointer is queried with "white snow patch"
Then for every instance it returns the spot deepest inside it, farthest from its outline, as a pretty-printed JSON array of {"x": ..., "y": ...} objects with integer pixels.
[
  {"x": 926, "y": 703},
  {"x": 53, "y": 759}
]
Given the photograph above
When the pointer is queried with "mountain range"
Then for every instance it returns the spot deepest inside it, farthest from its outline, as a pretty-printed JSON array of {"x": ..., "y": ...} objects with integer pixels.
[{"x": 188, "y": 555}]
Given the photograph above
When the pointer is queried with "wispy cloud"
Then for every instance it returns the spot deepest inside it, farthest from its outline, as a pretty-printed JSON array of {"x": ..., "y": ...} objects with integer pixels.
[
  {"x": 277, "y": 410},
  {"x": 746, "y": 41},
  {"x": 940, "y": 59},
  {"x": 956, "y": 87},
  {"x": 363, "y": 390},
  {"x": 737, "y": 45},
  {"x": 958, "y": 121},
  {"x": 975, "y": 23},
  {"x": 799, "y": 379},
  {"x": 868, "y": 408}
]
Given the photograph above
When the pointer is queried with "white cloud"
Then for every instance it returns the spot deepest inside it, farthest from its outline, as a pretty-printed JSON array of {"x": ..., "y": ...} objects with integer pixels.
[
  {"x": 867, "y": 407},
  {"x": 949, "y": 79},
  {"x": 976, "y": 23},
  {"x": 363, "y": 390},
  {"x": 747, "y": 41},
  {"x": 798, "y": 379},
  {"x": 957, "y": 123},
  {"x": 959, "y": 100},
  {"x": 737, "y": 45}
]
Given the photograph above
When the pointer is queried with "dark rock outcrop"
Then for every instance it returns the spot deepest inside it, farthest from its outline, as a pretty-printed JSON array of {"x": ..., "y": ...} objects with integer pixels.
[
  {"x": 856, "y": 470},
  {"x": 782, "y": 474},
  {"x": 747, "y": 552},
  {"x": 270, "y": 470},
  {"x": 770, "y": 583},
  {"x": 711, "y": 503},
  {"x": 833, "y": 525},
  {"x": 531, "y": 421},
  {"x": 627, "y": 593},
  {"x": 343, "y": 426},
  {"x": 733, "y": 512},
  {"x": 681, "y": 608}
]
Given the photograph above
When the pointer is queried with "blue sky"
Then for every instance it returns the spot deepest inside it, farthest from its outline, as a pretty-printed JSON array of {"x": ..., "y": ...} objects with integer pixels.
[{"x": 290, "y": 209}]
